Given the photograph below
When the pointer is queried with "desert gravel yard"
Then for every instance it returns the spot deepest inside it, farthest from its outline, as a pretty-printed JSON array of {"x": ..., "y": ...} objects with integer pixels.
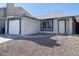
[{"x": 51, "y": 45}]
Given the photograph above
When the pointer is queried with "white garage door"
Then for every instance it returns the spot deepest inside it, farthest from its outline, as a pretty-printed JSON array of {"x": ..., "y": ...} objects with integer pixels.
[
  {"x": 61, "y": 27},
  {"x": 14, "y": 26}
]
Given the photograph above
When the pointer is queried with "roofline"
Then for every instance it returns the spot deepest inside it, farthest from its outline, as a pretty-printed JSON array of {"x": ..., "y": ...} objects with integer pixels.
[
  {"x": 29, "y": 17},
  {"x": 23, "y": 10},
  {"x": 58, "y": 17},
  {"x": 20, "y": 17},
  {"x": 36, "y": 18}
]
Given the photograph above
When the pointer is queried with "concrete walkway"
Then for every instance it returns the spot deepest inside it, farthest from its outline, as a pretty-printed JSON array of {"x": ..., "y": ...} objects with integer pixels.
[
  {"x": 5, "y": 38},
  {"x": 2, "y": 40}
]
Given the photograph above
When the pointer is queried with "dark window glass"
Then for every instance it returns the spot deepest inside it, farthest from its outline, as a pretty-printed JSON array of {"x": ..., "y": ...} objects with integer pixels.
[{"x": 47, "y": 25}]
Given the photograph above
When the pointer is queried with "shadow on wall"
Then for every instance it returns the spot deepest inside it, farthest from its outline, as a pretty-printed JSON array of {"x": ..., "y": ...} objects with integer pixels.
[{"x": 43, "y": 41}]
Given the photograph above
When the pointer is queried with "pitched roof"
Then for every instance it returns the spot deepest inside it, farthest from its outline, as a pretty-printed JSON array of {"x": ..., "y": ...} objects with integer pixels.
[
  {"x": 18, "y": 11},
  {"x": 52, "y": 15}
]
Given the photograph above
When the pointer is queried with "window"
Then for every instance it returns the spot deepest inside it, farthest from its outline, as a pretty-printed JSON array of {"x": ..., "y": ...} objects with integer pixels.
[{"x": 47, "y": 25}]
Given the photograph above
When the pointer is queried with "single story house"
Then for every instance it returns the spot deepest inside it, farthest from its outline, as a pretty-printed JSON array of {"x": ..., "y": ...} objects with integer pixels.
[{"x": 24, "y": 24}]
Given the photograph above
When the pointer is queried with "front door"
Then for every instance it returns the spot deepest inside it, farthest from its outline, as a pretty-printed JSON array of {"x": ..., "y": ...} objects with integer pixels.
[{"x": 61, "y": 27}]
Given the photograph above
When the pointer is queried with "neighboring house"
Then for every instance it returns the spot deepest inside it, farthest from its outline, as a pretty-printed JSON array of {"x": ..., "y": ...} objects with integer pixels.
[{"x": 23, "y": 24}]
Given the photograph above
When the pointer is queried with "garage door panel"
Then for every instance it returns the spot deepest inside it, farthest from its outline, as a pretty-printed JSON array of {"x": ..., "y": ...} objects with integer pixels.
[{"x": 14, "y": 26}]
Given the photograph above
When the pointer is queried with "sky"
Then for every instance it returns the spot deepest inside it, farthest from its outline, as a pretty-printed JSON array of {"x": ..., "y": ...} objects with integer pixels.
[{"x": 38, "y": 9}]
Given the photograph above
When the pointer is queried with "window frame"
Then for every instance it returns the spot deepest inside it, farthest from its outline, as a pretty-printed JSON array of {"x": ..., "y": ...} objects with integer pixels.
[{"x": 41, "y": 25}]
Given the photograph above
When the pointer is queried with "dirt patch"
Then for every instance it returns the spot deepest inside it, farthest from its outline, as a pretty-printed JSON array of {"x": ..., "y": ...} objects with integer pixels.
[{"x": 41, "y": 46}]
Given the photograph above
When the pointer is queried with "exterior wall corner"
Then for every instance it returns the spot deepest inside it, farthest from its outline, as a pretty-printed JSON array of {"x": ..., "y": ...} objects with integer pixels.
[{"x": 70, "y": 26}]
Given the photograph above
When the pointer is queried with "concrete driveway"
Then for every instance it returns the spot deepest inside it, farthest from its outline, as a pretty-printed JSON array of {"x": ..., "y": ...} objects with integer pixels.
[{"x": 37, "y": 45}]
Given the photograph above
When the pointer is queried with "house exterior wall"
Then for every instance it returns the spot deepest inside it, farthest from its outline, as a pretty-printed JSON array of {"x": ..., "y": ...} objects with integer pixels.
[
  {"x": 70, "y": 26},
  {"x": 74, "y": 25},
  {"x": 32, "y": 26},
  {"x": 29, "y": 26},
  {"x": 67, "y": 26}
]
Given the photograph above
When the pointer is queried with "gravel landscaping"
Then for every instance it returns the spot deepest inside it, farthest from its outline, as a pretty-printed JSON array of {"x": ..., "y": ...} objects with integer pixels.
[{"x": 51, "y": 45}]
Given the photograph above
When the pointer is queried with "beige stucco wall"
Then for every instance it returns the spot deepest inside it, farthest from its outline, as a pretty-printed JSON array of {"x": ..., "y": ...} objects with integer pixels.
[{"x": 29, "y": 26}]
